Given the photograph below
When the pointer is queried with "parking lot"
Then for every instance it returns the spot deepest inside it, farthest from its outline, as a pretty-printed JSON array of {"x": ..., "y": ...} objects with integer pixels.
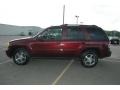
[{"x": 58, "y": 71}]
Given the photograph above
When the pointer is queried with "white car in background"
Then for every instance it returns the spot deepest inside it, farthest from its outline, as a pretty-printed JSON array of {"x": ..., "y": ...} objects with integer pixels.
[{"x": 114, "y": 40}]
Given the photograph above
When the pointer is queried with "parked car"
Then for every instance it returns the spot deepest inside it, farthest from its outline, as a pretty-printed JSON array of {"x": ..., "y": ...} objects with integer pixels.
[
  {"x": 87, "y": 42},
  {"x": 115, "y": 40}
]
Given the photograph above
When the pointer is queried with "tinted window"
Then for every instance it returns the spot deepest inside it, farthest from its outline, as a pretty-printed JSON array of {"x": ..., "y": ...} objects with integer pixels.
[
  {"x": 52, "y": 34},
  {"x": 96, "y": 34},
  {"x": 74, "y": 33}
]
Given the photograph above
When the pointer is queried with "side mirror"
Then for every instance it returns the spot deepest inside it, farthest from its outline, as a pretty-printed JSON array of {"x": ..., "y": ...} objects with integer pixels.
[{"x": 42, "y": 38}]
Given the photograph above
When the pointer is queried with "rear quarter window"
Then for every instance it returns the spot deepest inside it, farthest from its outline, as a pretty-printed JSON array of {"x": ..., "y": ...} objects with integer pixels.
[{"x": 96, "y": 33}]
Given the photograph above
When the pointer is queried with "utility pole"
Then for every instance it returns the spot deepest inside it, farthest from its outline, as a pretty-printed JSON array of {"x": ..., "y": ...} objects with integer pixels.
[
  {"x": 63, "y": 13},
  {"x": 77, "y": 19}
]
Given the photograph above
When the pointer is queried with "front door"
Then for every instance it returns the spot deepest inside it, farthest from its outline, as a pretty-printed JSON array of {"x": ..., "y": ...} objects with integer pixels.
[{"x": 47, "y": 43}]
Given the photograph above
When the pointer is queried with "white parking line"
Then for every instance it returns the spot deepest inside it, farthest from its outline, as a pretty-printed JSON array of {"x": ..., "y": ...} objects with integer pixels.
[
  {"x": 112, "y": 60},
  {"x": 116, "y": 58},
  {"x": 5, "y": 62},
  {"x": 62, "y": 73}
]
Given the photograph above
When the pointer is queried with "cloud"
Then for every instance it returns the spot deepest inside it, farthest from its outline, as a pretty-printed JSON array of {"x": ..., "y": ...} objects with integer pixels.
[{"x": 44, "y": 13}]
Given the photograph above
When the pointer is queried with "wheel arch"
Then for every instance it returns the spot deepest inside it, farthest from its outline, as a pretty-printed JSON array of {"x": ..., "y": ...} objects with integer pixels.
[
  {"x": 96, "y": 50},
  {"x": 14, "y": 48}
]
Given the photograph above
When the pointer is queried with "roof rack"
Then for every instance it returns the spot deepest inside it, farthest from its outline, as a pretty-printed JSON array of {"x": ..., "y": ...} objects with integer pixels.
[
  {"x": 72, "y": 24},
  {"x": 79, "y": 25}
]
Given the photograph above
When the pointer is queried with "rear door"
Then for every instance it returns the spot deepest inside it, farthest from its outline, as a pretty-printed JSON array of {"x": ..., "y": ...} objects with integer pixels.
[{"x": 73, "y": 41}]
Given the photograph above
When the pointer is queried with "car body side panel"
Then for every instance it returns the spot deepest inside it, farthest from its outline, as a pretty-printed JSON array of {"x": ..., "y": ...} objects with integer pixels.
[
  {"x": 71, "y": 48},
  {"x": 101, "y": 46},
  {"x": 45, "y": 48}
]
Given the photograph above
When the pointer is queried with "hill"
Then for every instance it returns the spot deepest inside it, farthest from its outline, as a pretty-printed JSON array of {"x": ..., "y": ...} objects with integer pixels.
[
  {"x": 31, "y": 30},
  {"x": 18, "y": 30}
]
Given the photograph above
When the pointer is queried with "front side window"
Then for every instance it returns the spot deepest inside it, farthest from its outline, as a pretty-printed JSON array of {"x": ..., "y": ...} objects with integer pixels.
[{"x": 52, "y": 34}]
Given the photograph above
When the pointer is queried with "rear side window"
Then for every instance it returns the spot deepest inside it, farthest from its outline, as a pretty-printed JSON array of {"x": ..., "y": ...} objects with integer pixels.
[
  {"x": 96, "y": 34},
  {"x": 74, "y": 33}
]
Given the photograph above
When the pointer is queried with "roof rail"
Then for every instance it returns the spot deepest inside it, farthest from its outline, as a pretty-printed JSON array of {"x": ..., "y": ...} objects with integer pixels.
[
  {"x": 79, "y": 25},
  {"x": 72, "y": 24}
]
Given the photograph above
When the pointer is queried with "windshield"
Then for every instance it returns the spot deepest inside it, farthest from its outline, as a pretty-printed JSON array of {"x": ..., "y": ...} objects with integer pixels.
[{"x": 38, "y": 33}]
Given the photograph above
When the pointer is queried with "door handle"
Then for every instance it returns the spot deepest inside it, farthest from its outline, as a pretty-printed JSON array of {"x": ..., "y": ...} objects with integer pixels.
[{"x": 61, "y": 44}]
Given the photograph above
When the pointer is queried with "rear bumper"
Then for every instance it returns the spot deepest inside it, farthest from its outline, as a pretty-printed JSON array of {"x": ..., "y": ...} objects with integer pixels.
[{"x": 106, "y": 54}]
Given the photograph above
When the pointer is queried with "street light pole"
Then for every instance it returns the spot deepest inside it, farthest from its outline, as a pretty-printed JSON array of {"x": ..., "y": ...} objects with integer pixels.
[
  {"x": 77, "y": 19},
  {"x": 81, "y": 23},
  {"x": 63, "y": 13}
]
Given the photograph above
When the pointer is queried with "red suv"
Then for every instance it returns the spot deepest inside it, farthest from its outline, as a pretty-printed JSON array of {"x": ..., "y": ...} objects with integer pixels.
[{"x": 87, "y": 42}]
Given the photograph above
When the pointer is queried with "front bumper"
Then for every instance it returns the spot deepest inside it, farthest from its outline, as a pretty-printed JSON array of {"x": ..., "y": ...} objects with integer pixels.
[{"x": 9, "y": 52}]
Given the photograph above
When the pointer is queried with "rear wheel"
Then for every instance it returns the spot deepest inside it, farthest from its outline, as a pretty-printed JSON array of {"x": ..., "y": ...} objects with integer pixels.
[
  {"x": 89, "y": 59},
  {"x": 21, "y": 56}
]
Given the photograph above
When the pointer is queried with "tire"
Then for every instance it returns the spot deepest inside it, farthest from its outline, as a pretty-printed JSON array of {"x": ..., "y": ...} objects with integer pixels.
[
  {"x": 89, "y": 58},
  {"x": 21, "y": 56}
]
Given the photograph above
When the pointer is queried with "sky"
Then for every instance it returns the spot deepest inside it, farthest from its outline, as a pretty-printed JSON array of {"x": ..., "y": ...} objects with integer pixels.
[{"x": 45, "y": 13}]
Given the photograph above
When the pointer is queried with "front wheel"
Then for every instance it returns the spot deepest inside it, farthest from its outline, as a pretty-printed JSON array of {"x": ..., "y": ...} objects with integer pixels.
[
  {"x": 21, "y": 56},
  {"x": 89, "y": 59}
]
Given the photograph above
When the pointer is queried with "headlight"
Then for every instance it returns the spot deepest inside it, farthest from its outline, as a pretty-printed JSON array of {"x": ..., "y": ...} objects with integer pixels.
[{"x": 7, "y": 44}]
